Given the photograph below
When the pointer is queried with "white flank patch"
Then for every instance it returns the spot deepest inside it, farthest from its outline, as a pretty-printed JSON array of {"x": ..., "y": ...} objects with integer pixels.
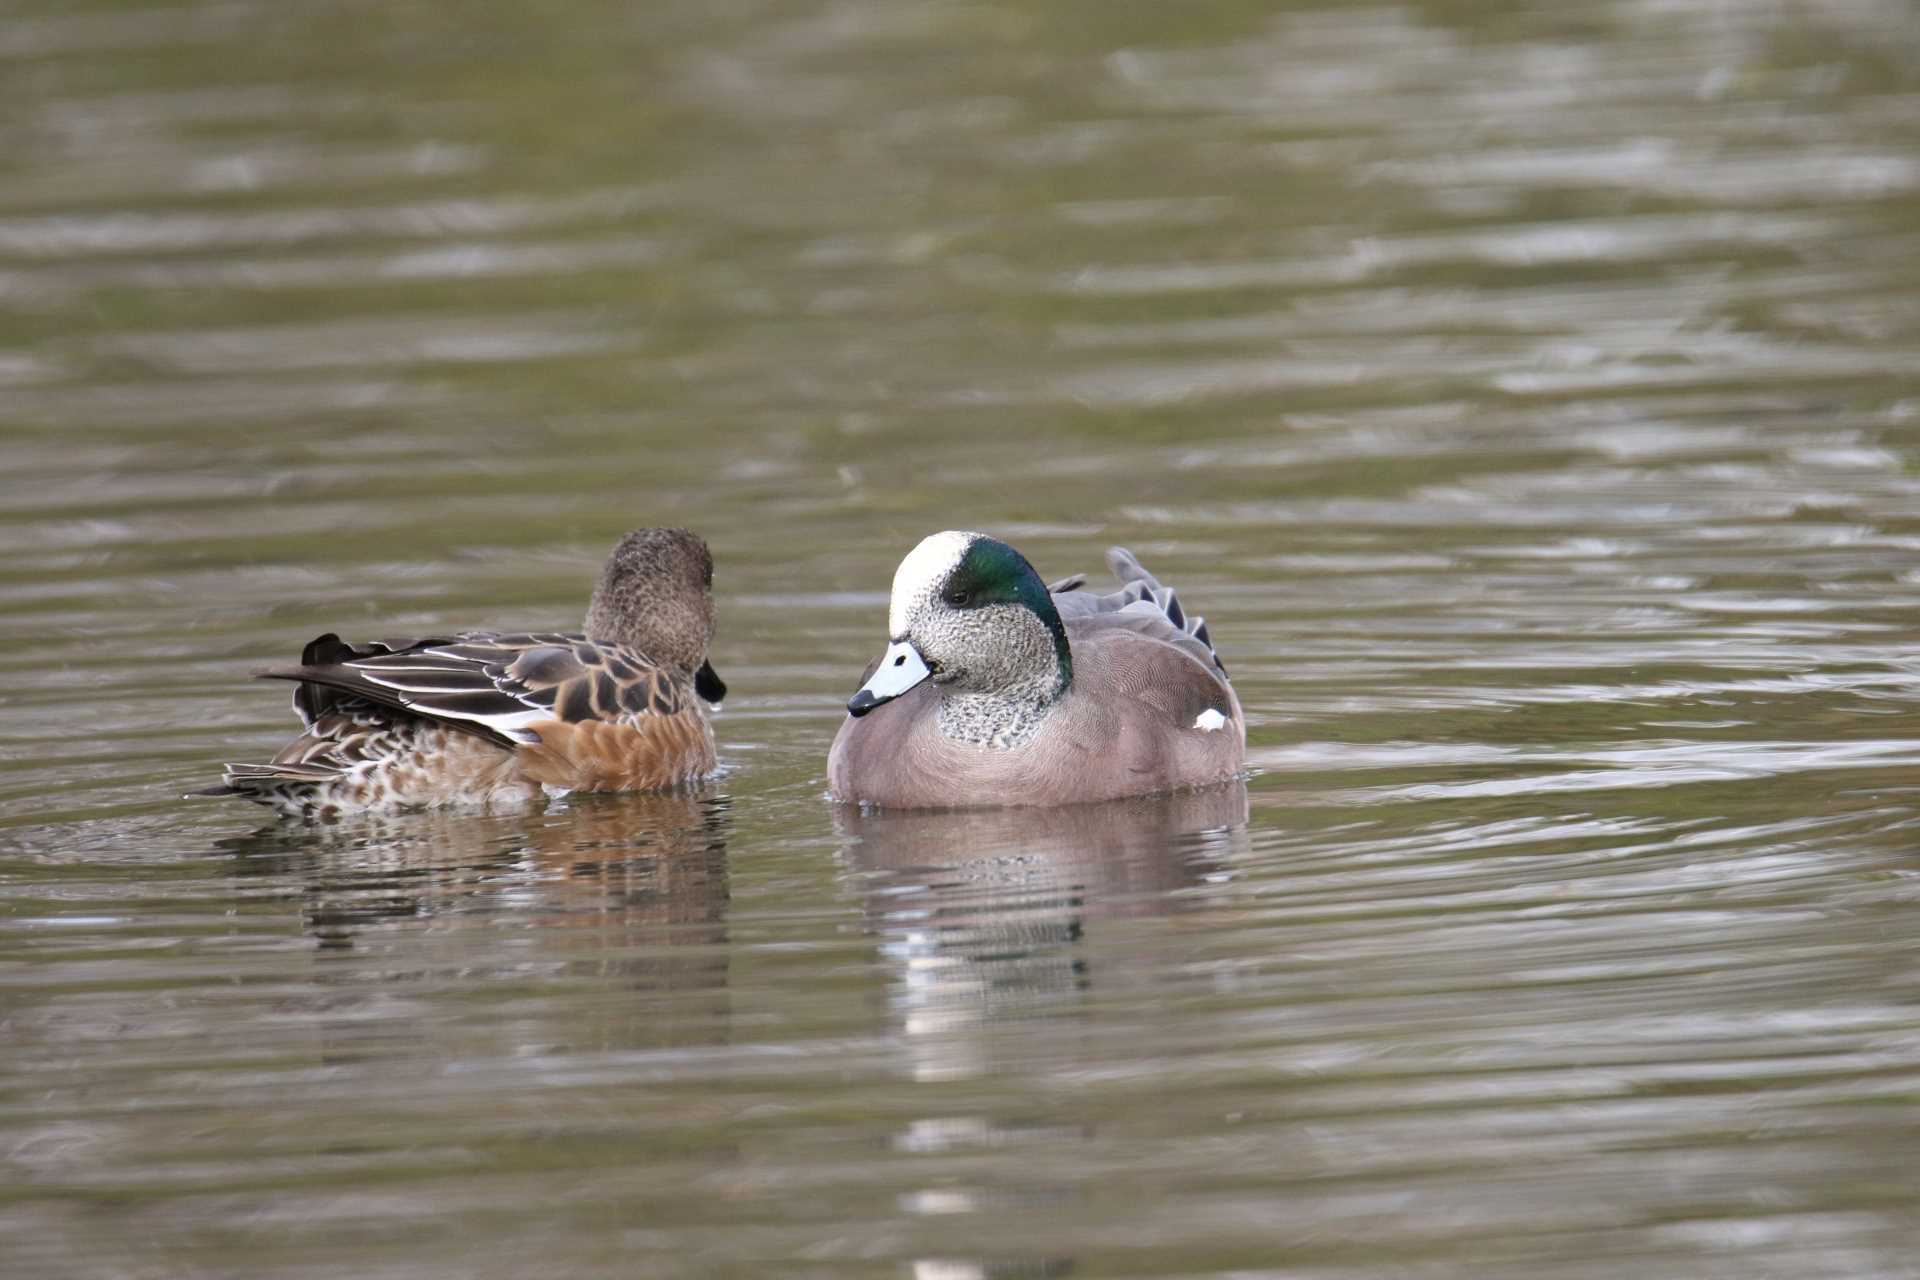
[
  {"x": 1209, "y": 720},
  {"x": 556, "y": 793},
  {"x": 924, "y": 566}
]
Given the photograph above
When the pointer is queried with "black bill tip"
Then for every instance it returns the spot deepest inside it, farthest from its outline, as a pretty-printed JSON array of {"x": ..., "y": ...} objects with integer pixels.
[
  {"x": 708, "y": 684},
  {"x": 863, "y": 702}
]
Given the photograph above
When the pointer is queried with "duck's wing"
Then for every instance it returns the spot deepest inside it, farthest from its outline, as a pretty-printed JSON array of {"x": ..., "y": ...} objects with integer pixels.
[
  {"x": 1142, "y": 604},
  {"x": 485, "y": 683}
]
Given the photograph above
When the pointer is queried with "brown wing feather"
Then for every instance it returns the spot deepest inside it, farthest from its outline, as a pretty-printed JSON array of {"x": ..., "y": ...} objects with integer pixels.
[
  {"x": 1166, "y": 677},
  {"x": 494, "y": 686}
]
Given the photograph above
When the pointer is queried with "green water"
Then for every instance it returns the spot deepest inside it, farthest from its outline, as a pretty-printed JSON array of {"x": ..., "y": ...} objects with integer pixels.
[{"x": 1527, "y": 396}]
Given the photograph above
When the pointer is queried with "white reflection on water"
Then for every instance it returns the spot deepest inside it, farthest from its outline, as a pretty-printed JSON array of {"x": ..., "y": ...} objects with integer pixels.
[{"x": 984, "y": 913}]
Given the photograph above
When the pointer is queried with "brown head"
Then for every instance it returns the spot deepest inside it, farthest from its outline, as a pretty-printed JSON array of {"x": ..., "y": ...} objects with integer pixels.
[{"x": 656, "y": 595}]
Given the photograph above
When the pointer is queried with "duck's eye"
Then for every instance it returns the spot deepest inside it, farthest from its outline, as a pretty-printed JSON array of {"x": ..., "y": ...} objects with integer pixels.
[{"x": 959, "y": 597}]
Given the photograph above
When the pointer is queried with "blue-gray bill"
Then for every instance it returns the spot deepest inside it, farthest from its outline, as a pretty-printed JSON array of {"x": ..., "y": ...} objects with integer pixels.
[{"x": 901, "y": 668}]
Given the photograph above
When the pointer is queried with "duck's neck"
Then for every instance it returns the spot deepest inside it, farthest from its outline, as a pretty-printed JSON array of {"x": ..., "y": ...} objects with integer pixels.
[{"x": 1006, "y": 717}]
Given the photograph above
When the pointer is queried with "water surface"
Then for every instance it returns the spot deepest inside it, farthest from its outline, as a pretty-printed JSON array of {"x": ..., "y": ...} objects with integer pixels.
[{"x": 1526, "y": 395}]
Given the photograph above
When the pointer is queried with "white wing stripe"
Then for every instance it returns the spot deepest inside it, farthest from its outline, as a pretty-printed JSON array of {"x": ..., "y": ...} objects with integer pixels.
[
  {"x": 387, "y": 680},
  {"x": 513, "y": 724}
]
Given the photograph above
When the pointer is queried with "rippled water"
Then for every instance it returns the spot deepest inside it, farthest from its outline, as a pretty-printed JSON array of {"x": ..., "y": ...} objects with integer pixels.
[{"x": 1527, "y": 395}]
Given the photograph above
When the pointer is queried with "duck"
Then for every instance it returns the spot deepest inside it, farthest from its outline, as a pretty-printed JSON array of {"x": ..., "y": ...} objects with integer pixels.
[
  {"x": 996, "y": 690},
  {"x": 498, "y": 720}
]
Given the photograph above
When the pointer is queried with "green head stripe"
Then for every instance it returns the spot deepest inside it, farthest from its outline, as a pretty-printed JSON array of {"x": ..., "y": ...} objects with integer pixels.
[{"x": 992, "y": 572}]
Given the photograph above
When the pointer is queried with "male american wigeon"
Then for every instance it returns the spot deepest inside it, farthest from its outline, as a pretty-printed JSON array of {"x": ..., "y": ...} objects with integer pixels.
[
  {"x": 491, "y": 719},
  {"x": 999, "y": 690}
]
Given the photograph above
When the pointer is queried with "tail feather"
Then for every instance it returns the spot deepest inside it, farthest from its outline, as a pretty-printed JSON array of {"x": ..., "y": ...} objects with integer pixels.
[
  {"x": 320, "y": 690},
  {"x": 1138, "y": 585},
  {"x": 1171, "y": 605},
  {"x": 280, "y": 772},
  {"x": 311, "y": 701},
  {"x": 257, "y": 782}
]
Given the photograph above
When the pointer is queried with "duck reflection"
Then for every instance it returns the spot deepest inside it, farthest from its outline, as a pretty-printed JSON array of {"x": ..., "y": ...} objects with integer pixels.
[
  {"x": 995, "y": 919},
  {"x": 632, "y": 888},
  {"x": 986, "y": 912}
]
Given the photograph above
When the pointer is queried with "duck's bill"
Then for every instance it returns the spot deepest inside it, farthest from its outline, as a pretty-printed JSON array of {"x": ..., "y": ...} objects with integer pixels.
[
  {"x": 708, "y": 684},
  {"x": 901, "y": 668}
]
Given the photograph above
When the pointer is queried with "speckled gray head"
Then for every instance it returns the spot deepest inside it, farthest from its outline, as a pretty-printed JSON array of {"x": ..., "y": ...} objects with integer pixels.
[{"x": 969, "y": 613}]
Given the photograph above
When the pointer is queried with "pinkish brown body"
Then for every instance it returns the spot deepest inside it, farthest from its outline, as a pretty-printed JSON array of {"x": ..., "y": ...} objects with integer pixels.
[{"x": 1147, "y": 708}]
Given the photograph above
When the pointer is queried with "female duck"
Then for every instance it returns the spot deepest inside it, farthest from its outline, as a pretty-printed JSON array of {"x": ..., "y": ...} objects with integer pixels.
[
  {"x": 998, "y": 690},
  {"x": 493, "y": 720}
]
